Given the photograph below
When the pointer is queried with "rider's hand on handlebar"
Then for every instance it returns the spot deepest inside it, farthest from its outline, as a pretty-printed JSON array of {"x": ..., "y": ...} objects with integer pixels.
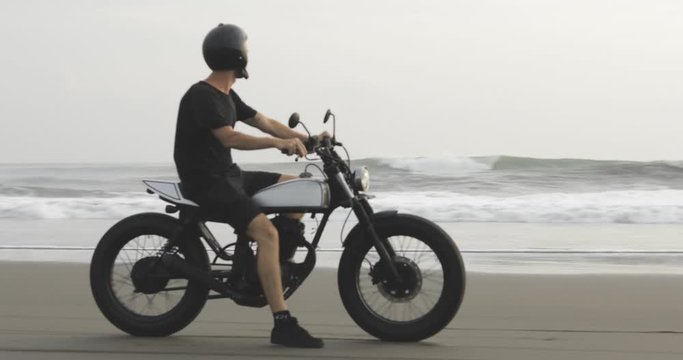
[
  {"x": 292, "y": 146},
  {"x": 314, "y": 141}
]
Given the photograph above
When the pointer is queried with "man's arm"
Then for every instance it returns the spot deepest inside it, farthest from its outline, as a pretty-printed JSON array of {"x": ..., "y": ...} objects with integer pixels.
[
  {"x": 274, "y": 128},
  {"x": 237, "y": 140}
]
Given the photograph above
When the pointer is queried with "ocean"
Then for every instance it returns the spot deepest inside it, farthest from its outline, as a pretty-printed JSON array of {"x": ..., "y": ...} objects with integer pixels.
[{"x": 506, "y": 213}]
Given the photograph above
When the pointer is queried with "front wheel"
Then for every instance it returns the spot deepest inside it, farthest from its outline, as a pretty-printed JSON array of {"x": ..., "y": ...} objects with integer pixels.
[{"x": 432, "y": 282}]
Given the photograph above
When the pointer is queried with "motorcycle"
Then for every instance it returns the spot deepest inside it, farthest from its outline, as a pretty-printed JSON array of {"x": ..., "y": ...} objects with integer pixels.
[{"x": 400, "y": 276}]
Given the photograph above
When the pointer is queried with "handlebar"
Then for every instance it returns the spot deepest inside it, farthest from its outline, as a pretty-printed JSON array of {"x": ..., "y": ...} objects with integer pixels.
[
  {"x": 313, "y": 143},
  {"x": 326, "y": 142}
]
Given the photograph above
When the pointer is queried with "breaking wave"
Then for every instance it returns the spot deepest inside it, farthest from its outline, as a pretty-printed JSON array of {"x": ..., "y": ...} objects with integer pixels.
[{"x": 445, "y": 165}]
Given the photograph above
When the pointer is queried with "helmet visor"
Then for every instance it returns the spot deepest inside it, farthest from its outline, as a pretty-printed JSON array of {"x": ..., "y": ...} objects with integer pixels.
[{"x": 242, "y": 73}]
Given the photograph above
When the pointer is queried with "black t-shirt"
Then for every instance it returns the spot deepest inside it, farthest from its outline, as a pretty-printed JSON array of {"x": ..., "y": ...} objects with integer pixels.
[{"x": 198, "y": 154}]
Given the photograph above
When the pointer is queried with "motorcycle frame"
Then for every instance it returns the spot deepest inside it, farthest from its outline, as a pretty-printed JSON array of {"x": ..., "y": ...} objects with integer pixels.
[{"x": 339, "y": 176}]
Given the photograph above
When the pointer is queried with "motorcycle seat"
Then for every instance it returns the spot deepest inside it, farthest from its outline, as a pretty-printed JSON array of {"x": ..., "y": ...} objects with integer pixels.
[{"x": 169, "y": 191}]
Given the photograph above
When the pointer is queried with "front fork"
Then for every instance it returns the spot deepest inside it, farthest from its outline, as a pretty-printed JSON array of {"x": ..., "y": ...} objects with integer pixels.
[{"x": 364, "y": 212}]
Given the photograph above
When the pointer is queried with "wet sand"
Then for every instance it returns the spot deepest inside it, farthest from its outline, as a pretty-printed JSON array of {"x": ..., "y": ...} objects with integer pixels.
[{"x": 47, "y": 312}]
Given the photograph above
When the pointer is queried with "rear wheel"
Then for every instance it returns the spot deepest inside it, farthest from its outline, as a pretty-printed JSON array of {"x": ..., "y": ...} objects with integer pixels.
[
  {"x": 432, "y": 282},
  {"x": 131, "y": 286}
]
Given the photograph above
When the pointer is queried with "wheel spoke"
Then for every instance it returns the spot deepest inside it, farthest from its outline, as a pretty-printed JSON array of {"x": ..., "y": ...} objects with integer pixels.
[
  {"x": 383, "y": 307},
  {"x": 123, "y": 283},
  {"x": 422, "y": 250},
  {"x": 137, "y": 249},
  {"x": 411, "y": 310},
  {"x": 127, "y": 264},
  {"x": 167, "y": 290}
]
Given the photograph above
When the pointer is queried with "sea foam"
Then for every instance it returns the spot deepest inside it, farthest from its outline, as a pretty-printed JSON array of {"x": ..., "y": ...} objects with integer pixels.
[
  {"x": 444, "y": 165},
  {"x": 646, "y": 207},
  {"x": 77, "y": 208}
]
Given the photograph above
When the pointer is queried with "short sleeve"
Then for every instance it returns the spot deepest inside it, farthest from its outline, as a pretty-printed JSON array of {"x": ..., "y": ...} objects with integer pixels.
[
  {"x": 243, "y": 110},
  {"x": 208, "y": 111}
]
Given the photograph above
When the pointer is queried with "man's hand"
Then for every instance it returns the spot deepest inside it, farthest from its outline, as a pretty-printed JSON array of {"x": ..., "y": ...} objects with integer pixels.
[
  {"x": 292, "y": 146},
  {"x": 314, "y": 140}
]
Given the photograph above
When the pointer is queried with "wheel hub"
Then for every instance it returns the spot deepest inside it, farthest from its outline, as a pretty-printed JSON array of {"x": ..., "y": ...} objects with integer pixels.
[
  {"x": 149, "y": 275},
  {"x": 398, "y": 291}
]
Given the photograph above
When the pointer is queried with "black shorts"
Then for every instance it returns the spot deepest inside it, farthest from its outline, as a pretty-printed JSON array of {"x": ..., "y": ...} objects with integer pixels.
[{"x": 228, "y": 198}]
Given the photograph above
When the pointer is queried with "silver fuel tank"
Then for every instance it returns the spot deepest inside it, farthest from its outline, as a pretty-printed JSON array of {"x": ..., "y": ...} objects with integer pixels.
[{"x": 297, "y": 193}]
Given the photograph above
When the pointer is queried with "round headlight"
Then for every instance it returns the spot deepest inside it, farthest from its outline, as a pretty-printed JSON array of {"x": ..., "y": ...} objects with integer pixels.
[{"x": 361, "y": 179}]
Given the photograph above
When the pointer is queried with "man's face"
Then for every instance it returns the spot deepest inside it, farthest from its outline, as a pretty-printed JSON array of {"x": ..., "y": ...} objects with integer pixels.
[{"x": 242, "y": 73}]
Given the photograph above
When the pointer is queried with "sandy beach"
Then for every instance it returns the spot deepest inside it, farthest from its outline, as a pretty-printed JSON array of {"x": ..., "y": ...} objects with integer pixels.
[{"x": 47, "y": 312}]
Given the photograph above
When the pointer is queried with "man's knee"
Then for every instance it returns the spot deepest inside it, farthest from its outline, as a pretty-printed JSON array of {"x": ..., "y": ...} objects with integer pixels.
[
  {"x": 285, "y": 177},
  {"x": 262, "y": 230}
]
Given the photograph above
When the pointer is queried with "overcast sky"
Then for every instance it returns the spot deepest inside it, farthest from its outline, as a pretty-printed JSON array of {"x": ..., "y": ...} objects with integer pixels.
[{"x": 100, "y": 81}]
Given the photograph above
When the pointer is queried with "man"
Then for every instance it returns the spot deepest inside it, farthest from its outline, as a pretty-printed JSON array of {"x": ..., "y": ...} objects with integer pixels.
[{"x": 204, "y": 136}]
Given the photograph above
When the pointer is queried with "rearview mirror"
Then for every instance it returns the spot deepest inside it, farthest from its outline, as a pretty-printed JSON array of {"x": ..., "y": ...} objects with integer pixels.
[
  {"x": 294, "y": 120},
  {"x": 328, "y": 113}
]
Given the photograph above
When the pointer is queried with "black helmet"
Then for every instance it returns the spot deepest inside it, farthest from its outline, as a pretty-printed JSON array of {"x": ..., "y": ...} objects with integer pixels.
[{"x": 225, "y": 48}]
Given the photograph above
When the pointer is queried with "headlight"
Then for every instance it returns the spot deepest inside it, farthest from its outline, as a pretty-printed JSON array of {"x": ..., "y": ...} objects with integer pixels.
[{"x": 361, "y": 179}]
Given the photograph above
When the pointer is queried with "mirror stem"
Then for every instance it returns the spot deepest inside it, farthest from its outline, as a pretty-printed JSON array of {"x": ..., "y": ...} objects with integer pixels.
[{"x": 305, "y": 128}]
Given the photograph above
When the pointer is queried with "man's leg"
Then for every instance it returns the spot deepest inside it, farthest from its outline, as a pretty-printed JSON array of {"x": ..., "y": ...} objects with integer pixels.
[
  {"x": 268, "y": 263},
  {"x": 286, "y": 330}
]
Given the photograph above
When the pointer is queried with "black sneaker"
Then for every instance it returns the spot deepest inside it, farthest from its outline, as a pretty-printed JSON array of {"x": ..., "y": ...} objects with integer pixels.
[{"x": 290, "y": 334}]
